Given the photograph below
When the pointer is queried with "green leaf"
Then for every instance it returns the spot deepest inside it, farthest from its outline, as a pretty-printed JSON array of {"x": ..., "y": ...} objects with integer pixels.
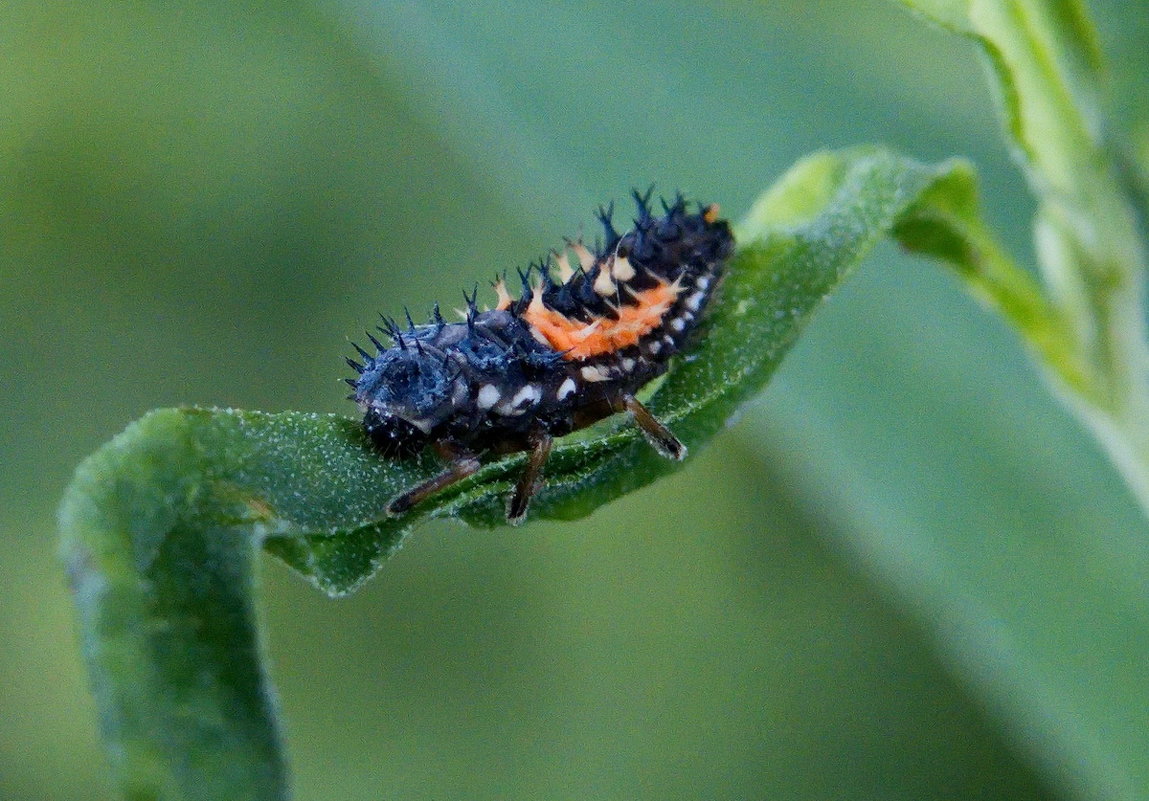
[
  {"x": 159, "y": 526},
  {"x": 1047, "y": 71},
  {"x": 946, "y": 224}
]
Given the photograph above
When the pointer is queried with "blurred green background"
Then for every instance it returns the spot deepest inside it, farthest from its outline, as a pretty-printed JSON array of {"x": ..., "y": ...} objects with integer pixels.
[{"x": 904, "y": 574}]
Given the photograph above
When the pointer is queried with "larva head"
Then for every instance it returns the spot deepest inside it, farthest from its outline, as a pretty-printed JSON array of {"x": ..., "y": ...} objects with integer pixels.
[{"x": 404, "y": 394}]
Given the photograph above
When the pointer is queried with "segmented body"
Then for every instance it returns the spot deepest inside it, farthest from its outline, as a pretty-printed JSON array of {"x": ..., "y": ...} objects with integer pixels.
[{"x": 567, "y": 352}]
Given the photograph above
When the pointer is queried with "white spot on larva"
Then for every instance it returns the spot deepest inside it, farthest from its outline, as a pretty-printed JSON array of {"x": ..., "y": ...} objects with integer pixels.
[
  {"x": 622, "y": 269},
  {"x": 585, "y": 257},
  {"x": 603, "y": 285},
  {"x": 488, "y": 396},
  {"x": 678, "y": 324},
  {"x": 702, "y": 282},
  {"x": 529, "y": 394},
  {"x": 669, "y": 340},
  {"x": 566, "y": 389},
  {"x": 565, "y": 271},
  {"x": 593, "y": 374},
  {"x": 654, "y": 347},
  {"x": 628, "y": 364},
  {"x": 695, "y": 300}
]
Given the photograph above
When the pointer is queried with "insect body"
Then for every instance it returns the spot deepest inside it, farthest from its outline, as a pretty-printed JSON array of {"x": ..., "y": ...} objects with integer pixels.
[{"x": 563, "y": 355}]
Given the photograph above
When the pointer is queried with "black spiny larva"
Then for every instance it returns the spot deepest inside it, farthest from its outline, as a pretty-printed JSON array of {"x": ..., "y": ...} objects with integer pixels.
[{"x": 564, "y": 354}]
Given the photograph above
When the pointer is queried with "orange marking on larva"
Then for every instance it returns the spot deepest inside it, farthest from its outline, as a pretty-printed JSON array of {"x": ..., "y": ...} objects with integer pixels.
[{"x": 584, "y": 340}]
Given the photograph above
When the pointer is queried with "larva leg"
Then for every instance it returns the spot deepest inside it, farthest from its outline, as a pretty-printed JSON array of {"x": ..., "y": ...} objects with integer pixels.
[
  {"x": 460, "y": 464},
  {"x": 531, "y": 479},
  {"x": 658, "y": 435}
]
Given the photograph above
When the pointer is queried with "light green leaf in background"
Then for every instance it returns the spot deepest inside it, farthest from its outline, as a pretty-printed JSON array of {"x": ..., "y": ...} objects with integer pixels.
[
  {"x": 1050, "y": 622},
  {"x": 1047, "y": 71}
]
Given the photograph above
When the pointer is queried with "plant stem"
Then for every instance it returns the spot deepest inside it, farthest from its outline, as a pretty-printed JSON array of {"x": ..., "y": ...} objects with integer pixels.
[
  {"x": 1047, "y": 72},
  {"x": 1087, "y": 239}
]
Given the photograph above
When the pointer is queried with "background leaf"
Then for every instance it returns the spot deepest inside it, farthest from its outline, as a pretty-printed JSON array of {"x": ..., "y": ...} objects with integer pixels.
[{"x": 1046, "y": 68}]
